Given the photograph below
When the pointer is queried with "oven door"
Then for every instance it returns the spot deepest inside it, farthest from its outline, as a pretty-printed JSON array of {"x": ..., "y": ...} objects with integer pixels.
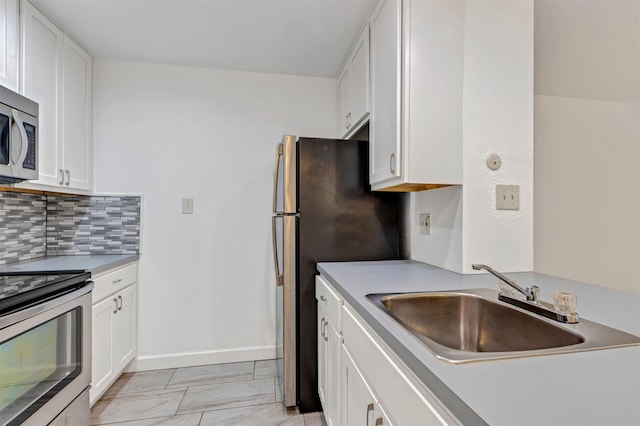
[{"x": 45, "y": 359}]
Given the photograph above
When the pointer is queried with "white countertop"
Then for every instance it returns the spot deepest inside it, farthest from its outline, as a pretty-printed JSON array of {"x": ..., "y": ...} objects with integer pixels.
[
  {"x": 585, "y": 388},
  {"x": 94, "y": 263}
]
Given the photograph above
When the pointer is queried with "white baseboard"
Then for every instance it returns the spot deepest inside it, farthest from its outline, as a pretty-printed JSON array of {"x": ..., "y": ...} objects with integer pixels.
[{"x": 191, "y": 359}]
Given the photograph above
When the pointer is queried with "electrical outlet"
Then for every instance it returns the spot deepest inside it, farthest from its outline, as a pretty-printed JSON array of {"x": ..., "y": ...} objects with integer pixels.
[
  {"x": 507, "y": 197},
  {"x": 187, "y": 206},
  {"x": 425, "y": 223}
]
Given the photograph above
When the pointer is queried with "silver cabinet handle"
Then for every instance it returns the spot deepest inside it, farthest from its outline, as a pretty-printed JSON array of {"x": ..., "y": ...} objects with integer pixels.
[
  {"x": 379, "y": 421},
  {"x": 115, "y": 311},
  {"x": 323, "y": 329},
  {"x": 324, "y": 299},
  {"x": 61, "y": 172},
  {"x": 120, "y": 307},
  {"x": 68, "y": 177},
  {"x": 369, "y": 409},
  {"x": 119, "y": 280},
  {"x": 392, "y": 163}
]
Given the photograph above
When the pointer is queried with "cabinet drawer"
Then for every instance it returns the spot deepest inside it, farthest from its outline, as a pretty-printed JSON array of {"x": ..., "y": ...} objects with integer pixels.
[
  {"x": 331, "y": 301},
  {"x": 114, "y": 280},
  {"x": 404, "y": 396}
]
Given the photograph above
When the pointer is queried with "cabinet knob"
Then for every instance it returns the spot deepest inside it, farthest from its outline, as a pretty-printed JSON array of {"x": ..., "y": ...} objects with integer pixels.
[{"x": 392, "y": 163}]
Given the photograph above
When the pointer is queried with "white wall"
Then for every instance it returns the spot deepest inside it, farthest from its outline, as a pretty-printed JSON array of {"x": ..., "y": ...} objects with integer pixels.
[
  {"x": 587, "y": 212},
  {"x": 587, "y": 142},
  {"x": 207, "y": 291},
  {"x": 497, "y": 118}
]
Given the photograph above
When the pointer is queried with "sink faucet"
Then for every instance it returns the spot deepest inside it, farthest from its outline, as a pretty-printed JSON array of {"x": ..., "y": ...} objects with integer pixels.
[
  {"x": 532, "y": 304},
  {"x": 531, "y": 293}
]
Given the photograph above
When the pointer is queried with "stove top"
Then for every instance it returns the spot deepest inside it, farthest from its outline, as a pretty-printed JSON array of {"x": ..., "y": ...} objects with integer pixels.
[{"x": 18, "y": 290}]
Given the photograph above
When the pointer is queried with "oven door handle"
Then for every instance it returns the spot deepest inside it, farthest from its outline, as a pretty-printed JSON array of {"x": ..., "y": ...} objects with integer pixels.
[{"x": 54, "y": 301}]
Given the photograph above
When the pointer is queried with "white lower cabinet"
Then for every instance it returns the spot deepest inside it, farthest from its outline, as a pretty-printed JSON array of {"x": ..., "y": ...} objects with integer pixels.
[
  {"x": 361, "y": 406},
  {"x": 114, "y": 324},
  {"x": 366, "y": 383},
  {"x": 329, "y": 343}
]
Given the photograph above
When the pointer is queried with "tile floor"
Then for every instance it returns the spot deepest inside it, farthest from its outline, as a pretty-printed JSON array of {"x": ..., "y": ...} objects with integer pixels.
[{"x": 245, "y": 393}]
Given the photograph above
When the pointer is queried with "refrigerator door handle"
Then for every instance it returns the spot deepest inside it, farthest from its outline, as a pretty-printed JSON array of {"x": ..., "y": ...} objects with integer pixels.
[
  {"x": 279, "y": 276},
  {"x": 275, "y": 182}
]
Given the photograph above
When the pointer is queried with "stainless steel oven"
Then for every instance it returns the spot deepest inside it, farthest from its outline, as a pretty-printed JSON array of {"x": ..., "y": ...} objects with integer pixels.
[{"x": 45, "y": 352}]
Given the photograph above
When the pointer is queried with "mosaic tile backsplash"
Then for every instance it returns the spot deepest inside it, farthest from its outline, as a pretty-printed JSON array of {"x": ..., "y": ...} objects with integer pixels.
[
  {"x": 93, "y": 225},
  {"x": 33, "y": 226},
  {"x": 23, "y": 220}
]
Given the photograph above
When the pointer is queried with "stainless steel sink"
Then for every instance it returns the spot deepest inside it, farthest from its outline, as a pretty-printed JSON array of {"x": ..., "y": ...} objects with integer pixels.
[{"x": 473, "y": 325}]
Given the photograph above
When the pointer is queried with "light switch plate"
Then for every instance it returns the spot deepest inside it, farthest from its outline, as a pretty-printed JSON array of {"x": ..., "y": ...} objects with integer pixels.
[
  {"x": 187, "y": 206},
  {"x": 507, "y": 197}
]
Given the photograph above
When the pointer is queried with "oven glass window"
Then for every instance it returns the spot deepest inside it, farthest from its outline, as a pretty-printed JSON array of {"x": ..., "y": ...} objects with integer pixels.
[
  {"x": 37, "y": 363},
  {"x": 4, "y": 139}
]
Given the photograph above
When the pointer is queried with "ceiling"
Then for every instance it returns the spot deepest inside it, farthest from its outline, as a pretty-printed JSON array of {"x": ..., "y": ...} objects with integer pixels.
[
  {"x": 300, "y": 37},
  {"x": 583, "y": 48}
]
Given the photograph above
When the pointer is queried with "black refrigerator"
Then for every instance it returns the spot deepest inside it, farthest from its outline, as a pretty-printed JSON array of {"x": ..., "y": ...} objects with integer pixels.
[{"x": 323, "y": 210}]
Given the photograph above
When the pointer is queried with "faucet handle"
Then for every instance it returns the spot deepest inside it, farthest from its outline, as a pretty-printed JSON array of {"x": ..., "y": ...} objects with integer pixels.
[
  {"x": 505, "y": 288},
  {"x": 565, "y": 302},
  {"x": 534, "y": 290}
]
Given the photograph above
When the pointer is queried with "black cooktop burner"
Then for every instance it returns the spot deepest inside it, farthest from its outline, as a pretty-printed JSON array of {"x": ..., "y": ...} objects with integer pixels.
[{"x": 18, "y": 290}]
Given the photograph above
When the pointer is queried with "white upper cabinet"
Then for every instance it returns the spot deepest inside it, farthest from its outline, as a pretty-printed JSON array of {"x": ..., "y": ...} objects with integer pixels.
[
  {"x": 41, "y": 80},
  {"x": 385, "y": 150},
  {"x": 9, "y": 47},
  {"x": 77, "y": 153},
  {"x": 417, "y": 52},
  {"x": 353, "y": 88},
  {"x": 56, "y": 73}
]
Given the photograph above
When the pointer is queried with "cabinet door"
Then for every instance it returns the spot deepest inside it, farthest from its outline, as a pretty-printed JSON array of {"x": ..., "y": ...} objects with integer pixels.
[
  {"x": 322, "y": 356},
  {"x": 102, "y": 335},
  {"x": 77, "y": 153},
  {"x": 124, "y": 328},
  {"x": 334, "y": 344},
  {"x": 42, "y": 47},
  {"x": 9, "y": 44},
  {"x": 359, "y": 402},
  {"x": 385, "y": 155},
  {"x": 360, "y": 80},
  {"x": 344, "y": 90}
]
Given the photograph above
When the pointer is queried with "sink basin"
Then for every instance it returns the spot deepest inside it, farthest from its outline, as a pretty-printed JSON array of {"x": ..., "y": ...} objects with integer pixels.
[{"x": 473, "y": 325}]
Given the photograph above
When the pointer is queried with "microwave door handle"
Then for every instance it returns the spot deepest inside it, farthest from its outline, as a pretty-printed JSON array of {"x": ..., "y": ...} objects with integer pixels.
[
  {"x": 16, "y": 153},
  {"x": 275, "y": 180},
  {"x": 279, "y": 276}
]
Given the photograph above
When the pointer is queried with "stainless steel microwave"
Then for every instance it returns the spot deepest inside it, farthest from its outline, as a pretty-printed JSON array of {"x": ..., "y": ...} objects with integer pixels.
[{"x": 18, "y": 137}]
